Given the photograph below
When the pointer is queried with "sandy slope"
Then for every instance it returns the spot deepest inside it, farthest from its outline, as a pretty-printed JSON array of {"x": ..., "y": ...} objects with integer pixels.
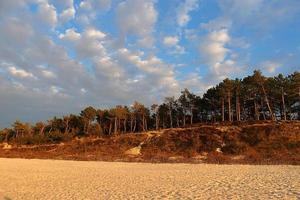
[{"x": 49, "y": 179}]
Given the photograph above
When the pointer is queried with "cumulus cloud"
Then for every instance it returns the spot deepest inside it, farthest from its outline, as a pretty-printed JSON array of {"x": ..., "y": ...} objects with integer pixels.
[
  {"x": 87, "y": 44},
  {"x": 59, "y": 56},
  {"x": 221, "y": 61},
  {"x": 70, "y": 34},
  {"x": 20, "y": 73},
  {"x": 95, "y": 4},
  {"x": 88, "y": 10},
  {"x": 48, "y": 74},
  {"x": 47, "y": 13},
  {"x": 160, "y": 75},
  {"x": 42, "y": 67},
  {"x": 67, "y": 14},
  {"x": 138, "y": 18},
  {"x": 90, "y": 44},
  {"x": 170, "y": 40},
  {"x": 213, "y": 48},
  {"x": 7, "y": 6},
  {"x": 94, "y": 33},
  {"x": 184, "y": 8},
  {"x": 217, "y": 24}
]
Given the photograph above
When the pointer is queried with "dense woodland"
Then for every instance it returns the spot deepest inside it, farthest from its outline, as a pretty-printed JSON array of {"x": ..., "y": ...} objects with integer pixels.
[{"x": 254, "y": 97}]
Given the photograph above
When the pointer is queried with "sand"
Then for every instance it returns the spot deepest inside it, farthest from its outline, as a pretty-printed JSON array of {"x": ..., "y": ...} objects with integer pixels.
[{"x": 52, "y": 179}]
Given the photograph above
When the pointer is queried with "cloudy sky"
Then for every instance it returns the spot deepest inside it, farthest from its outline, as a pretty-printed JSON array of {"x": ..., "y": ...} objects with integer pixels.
[{"x": 58, "y": 56}]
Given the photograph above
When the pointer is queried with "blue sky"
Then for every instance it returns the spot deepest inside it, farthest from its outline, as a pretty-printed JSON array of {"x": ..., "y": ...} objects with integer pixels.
[{"x": 59, "y": 56}]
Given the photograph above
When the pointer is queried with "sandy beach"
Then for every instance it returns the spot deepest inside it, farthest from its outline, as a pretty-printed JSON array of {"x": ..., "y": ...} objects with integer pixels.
[{"x": 53, "y": 179}]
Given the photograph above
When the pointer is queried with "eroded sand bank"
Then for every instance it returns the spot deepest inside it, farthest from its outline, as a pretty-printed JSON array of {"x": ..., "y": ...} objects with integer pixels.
[{"x": 51, "y": 179}]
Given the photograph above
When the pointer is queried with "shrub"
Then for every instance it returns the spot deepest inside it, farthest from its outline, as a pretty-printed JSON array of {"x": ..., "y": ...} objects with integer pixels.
[
  {"x": 252, "y": 135},
  {"x": 293, "y": 145},
  {"x": 2, "y": 137},
  {"x": 216, "y": 157},
  {"x": 234, "y": 147},
  {"x": 57, "y": 136},
  {"x": 253, "y": 156}
]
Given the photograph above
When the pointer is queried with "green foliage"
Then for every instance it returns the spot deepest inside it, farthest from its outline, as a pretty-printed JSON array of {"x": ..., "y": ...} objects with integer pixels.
[{"x": 254, "y": 97}]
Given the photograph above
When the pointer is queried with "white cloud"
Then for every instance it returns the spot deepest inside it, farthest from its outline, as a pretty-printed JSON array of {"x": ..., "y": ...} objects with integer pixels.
[
  {"x": 159, "y": 74},
  {"x": 48, "y": 77},
  {"x": 47, "y": 13},
  {"x": 146, "y": 41},
  {"x": 94, "y": 33},
  {"x": 87, "y": 44},
  {"x": 7, "y": 6},
  {"x": 178, "y": 50},
  {"x": 109, "y": 68},
  {"x": 170, "y": 40},
  {"x": 217, "y": 24},
  {"x": 91, "y": 44},
  {"x": 66, "y": 3},
  {"x": 70, "y": 34},
  {"x": 95, "y": 4},
  {"x": 20, "y": 73},
  {"x": 184, "y": 8},
  {"x": 194, "y": 82},
  {"x": 15, "y": 32},
  {"x": 221, "y": 61},
  {"x": 48, "y": 74},
  {"x": 85, "y": 5},
  {"x": 137, "y": 17},
  {"x": 213, "y": 48},
  {"x": 48, "y": 81},
  {"x": 67, "y": 14}
]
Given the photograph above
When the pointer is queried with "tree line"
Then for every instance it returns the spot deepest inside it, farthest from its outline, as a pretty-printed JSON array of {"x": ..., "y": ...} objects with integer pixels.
[{"x": 254, "y": 97}]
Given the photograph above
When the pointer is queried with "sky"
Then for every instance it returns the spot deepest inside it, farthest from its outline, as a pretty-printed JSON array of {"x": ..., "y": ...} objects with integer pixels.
[{"x": 59, "y": 56}]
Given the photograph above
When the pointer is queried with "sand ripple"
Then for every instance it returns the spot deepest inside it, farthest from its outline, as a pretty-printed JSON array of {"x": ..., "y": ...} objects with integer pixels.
[{"x": 49, "y": 179}]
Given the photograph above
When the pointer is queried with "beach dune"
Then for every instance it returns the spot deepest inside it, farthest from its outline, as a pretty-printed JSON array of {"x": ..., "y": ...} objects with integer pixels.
[{"x": 53, "y": 179}]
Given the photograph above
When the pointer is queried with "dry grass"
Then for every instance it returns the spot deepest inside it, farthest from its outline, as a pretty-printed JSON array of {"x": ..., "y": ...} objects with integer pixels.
[{"x": 252, "y": 143}]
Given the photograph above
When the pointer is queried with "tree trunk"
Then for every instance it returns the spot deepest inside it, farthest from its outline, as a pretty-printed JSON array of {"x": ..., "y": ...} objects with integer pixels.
[
  {"x": 131, "y": 123},
  {"x": 262, "y": 109},
  {"x": 125, "y": 124},
  {"x": 116, "y": 126},
  {"x": 134, "y": 127},
  {"x": 171, "y": 120},
  {"x": 229, "y": 106},
  {"x": 52, "y": 128},
  {"x": 267, "y": 102},
  {"x": 256, "y": 110},
  {"x": 110, "y": 127},
  {"x": 191, "y": 115},
  {"x": 156, "y": 122},
  {"x": 214, "y": 115},
  {"x": 184, "y": 120},
  {"x": 67, "y": 126},
  {"x": 283, "y": 104},
  {"x": 146, "y": 124},
  {"x": 42, "y": 131},
  {"x": 237, "y": 108},
  {"x": 143, "y": 122},
  {"x": 223, "y": 111},
  {"x": 6, "y": 136},
  {"x": 101, "y": 126}
]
